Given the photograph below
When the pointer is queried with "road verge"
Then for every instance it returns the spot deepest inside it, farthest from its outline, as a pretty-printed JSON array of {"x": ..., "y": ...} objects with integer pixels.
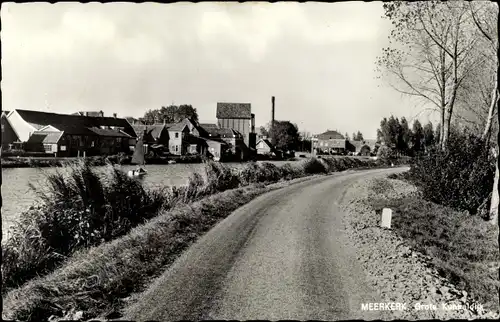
[{"x": 395, "y": 266}]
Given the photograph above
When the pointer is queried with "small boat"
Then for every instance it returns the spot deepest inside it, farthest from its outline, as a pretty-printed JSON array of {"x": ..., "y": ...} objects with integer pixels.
[
  {"x": 171, "y": 162},
  {"x": 138, "y": 158}
]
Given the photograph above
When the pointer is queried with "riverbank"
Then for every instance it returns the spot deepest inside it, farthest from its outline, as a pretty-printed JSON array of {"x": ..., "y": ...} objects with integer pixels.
[
  {"x": 45, "y": 162},
  {"x": 433, "y": 255},
  {"x": 122, "y": 266}
]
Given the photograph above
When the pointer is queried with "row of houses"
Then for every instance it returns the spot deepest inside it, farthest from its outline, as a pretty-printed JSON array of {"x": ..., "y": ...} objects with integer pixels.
[
  {"x": 332, "y": 142},
  {"x": 91, "y": 133}
]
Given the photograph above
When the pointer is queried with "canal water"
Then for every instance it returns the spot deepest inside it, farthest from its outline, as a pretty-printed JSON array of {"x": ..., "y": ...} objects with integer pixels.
[{"x": 17, "y": 196}]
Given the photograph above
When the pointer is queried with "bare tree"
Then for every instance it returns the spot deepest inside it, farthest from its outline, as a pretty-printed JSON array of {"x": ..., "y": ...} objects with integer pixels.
[
  {"x": 485, "y": 17},
  {"x": 433, "y": 53}
]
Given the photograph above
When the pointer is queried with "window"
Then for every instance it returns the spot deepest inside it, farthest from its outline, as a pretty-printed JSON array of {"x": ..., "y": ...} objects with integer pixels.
[
  {"x": 47, "y": 147},
  {"x": 3, "y": 128},
  {"x": 176, "y": 147},
  {"x": 176, "y": 135}
]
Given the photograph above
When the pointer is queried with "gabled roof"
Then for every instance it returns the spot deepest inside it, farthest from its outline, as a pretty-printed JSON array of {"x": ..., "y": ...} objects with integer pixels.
[
  {"x": 133, "y": 120},
  {"x": 267, "y": 142},
  {"x": 178, "y": 127},
  {"x": 109, "y": 132},
  {"x": 45, "y": 137},
  {"x": 329, "y": 135},
  {"x": 153, "y": 130},
  {"x": 234, "y": 111},
  {"x": 201, "y": 130},
  {"x": 357, "y": 144},
  {"x": 218, "y": 140},
  {"x": 73, "y": 124}
]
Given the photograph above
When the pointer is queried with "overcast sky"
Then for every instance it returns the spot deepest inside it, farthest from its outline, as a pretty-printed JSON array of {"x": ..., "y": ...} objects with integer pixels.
[{"x": 316, "y": 59}]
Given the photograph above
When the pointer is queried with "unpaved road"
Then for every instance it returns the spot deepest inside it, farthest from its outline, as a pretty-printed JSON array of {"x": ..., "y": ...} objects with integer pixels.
[{"x": 284, "y": 255}]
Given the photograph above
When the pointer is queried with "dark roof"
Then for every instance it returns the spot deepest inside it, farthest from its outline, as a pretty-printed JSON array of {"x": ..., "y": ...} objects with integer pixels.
[
  {"x": 328, "y": 135},
  {"x": 45, "y": 137},
  {"x": 207, "y": 126},
  {"x": 234, "y": 111},
  {"x": 73, "y": 124},
  {"x": 109, "y": 132},
  {"x": 201, "y": 130},
  {"x": 223, "y": 132},
  {"x": 153, "y": 130},
  {"x": 218, "y": 140},
  {"x": 177, "y": 126}
]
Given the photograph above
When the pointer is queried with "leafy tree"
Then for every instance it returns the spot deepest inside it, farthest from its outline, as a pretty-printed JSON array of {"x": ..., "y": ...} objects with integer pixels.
[
  {"x": 285, "y": 134},
  {"x": 170, "y": 114},
  {"x": 263, "y": 131},
  {"x": 185, "y": 111},
  {"x": 358, "y": 136},
  {"x": 417, "y": 138},
  {"x": 428, "y": 133},
  {"x": 403, "y": 135}
]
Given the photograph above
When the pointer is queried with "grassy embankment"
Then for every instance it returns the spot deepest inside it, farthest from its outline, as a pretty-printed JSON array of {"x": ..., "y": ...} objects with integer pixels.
[
  {"x": 87, "y": 249},
  {"x": 463, "y": 247}
]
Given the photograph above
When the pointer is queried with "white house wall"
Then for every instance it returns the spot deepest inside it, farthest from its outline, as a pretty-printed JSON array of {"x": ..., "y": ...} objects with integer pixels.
[{"x": 22, "y": 128}]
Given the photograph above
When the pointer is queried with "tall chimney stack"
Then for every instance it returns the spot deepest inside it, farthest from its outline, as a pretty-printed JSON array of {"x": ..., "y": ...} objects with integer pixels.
[{"x": 272, "y": 121}]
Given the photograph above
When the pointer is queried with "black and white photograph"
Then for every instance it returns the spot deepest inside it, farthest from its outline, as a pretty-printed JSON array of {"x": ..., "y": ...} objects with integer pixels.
[{"x": 250, "y": 161}]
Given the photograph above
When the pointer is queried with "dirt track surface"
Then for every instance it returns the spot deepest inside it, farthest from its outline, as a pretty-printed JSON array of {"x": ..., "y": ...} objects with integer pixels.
[{"x": 285, "y": 255}]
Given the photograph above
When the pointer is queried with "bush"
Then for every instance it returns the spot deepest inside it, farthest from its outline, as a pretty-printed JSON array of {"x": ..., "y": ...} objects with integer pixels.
[
  {"x": 314, "y": 166},
  {"x": 289, "y": 172},
  {"x": 386, "y": 155},
  {"x": 462, "y": 177},
  {"x": 256, "y": 173},
  {"x": 219, "y": 177}
]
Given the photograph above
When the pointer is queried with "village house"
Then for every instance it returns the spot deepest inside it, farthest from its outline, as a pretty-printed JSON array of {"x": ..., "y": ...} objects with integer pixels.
[
  {"x": 363, "y": 148},
  {"x": 265, "y": 147},
  {"x": 236, "y": 147},
  {"x": 330, "y": 142},
  {"x": 68, "y": 135}
]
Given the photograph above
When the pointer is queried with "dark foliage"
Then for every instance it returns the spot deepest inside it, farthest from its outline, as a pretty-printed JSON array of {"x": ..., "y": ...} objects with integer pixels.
[{"x": 461, "y": 177}]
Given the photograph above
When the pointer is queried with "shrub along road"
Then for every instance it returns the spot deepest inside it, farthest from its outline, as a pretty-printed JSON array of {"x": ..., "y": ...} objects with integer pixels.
[{"x": 284, "y": 255}]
